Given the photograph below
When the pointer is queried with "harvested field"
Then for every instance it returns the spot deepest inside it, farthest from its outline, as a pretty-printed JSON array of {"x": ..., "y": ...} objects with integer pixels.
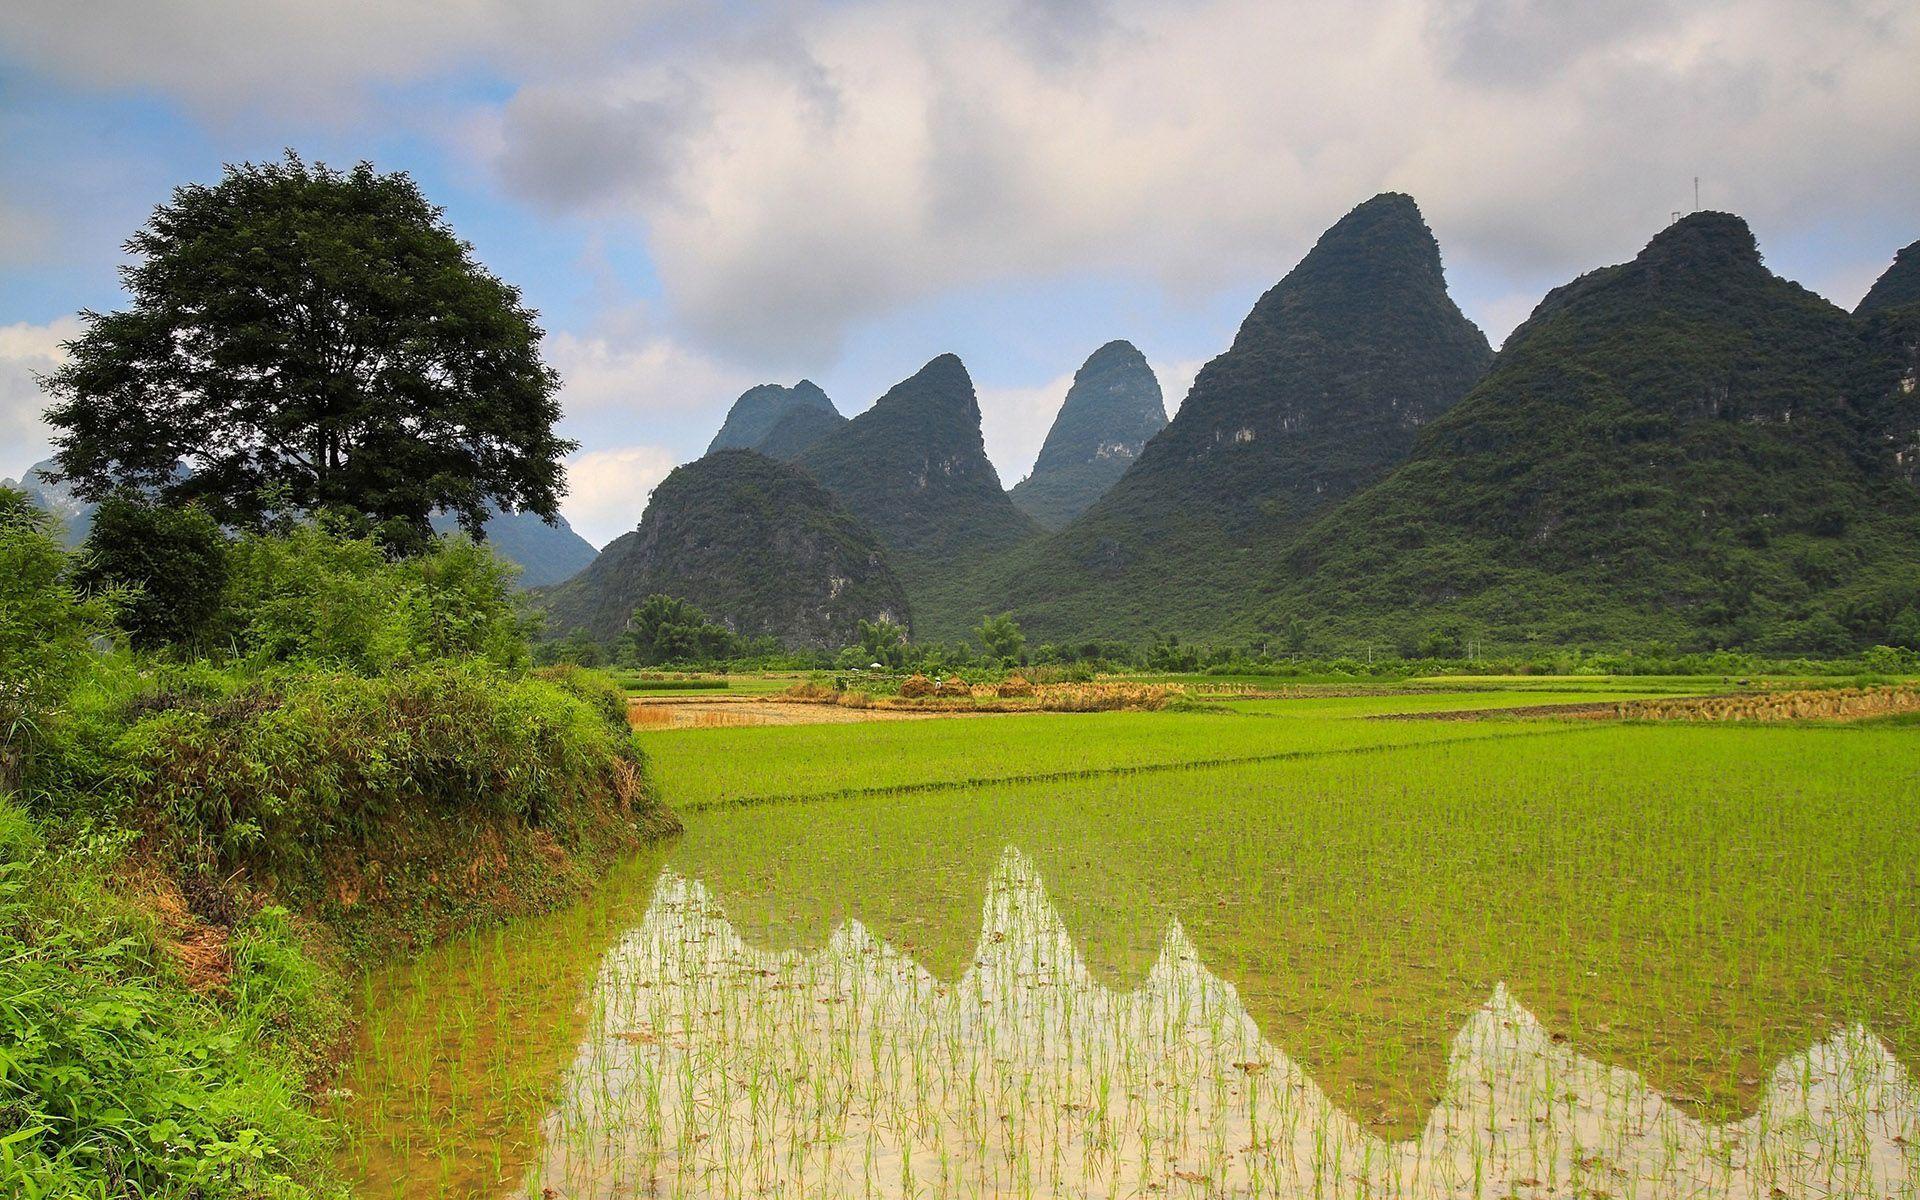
[{"x": 1822, "y": 704}]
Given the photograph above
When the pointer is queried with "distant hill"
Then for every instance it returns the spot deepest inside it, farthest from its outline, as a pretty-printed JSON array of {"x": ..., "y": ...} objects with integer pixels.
[
  {"x": 1891, "y": 312},
  {"x": 753, "y": 543},
  {"x": 760, "y": 410},
  {"x": 1671, "y": 449},
  {"x": 545, "y": 553},
  {"x": 1111, "y": 410},
  {"x": 915, "y": 469},
  {"x": 57, "y": 499},
  {"x": 797, "y": 432},
  {"x": 1328, "y": 382}
]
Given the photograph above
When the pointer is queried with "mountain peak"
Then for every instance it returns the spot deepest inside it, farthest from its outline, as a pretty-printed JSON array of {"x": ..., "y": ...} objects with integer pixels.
[
  {"x": 753, "y": 543},
  {"x": 915, "y": 468},
  {"x": 1112, "y": 409},
  {"x": 1897, "y": 287},
  {"x": 943, "y": 385},
  {"x": 1700, "y": 240},
  {"x": 761, "y": 408}
]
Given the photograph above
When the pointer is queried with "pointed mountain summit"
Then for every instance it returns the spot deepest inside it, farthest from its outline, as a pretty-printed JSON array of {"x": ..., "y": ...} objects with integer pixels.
[
  {"x": 754, "y": 544},
  {"x": 1331, "y": 377},
  {"x": 914, "y": 467},
  {"x": 1897, "y": 287},
  {"x": 1671, "y": 449},
  {"x": 759, "y": 410},
  {"x": 1110, "y": 412}
]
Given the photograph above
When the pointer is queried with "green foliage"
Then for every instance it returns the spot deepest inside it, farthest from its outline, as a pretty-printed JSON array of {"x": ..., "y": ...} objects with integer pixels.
[
  {"x": 1001, "y": 638},
  {"x": 666, "y": 629},
  {"x": 316, "y": 337},
  {"x": 319, "y": 597},
  {"x": 275, "y": 772},
  {"x": 46, "y": 627},
  {"x": 172, "y": 563},
  {"x": 114, "y": 1080},
  {"x": 883, "y": 642}
]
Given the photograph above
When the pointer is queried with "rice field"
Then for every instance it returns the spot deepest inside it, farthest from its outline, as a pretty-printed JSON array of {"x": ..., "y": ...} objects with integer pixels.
[{"x": 1284, "y": 948}]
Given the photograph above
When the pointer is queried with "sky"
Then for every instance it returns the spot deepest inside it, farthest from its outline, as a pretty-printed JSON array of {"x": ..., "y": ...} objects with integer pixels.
[{"x": 702, "y": 196}]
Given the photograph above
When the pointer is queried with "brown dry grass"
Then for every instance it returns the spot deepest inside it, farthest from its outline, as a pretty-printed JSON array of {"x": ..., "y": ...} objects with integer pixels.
[
  {"x": 1820, "y": 704},
  {"x": 1014, "y": 694}
]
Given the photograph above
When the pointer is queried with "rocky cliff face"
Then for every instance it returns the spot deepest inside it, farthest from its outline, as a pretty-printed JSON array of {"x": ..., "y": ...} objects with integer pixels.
[
  {"x": 1891, "y": 312},
  {"x": 1113, "y": 408},
  {"x": 751, "y": 542}
]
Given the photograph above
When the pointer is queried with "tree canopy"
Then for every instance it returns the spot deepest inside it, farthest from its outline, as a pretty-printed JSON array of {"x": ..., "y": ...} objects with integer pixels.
[{"x": 308, "y": 338}]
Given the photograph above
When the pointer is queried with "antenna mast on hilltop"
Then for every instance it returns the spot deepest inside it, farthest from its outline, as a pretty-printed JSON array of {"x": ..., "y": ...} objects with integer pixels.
[{"x": 1696, "y": 193}]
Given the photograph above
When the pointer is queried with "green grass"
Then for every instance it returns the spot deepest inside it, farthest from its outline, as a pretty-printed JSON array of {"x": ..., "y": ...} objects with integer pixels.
[{"x": 699, "y": 768}]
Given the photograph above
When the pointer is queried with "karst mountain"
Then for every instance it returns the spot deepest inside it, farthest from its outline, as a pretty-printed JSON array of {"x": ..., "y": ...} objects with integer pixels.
[
  {"x": 1110, "y": 412},
  {"x": 754, "y": 543},
  {"x": 1330, "y": 379},
  {"x": 1684, "y": 447}
]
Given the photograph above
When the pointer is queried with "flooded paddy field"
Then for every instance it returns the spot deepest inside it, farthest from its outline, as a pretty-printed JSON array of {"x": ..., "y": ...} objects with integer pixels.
[{"x": 1282, "y": 949}]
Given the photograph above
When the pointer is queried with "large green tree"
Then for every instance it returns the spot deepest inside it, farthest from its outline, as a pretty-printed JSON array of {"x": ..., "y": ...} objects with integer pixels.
[{"x": 307, "y": 338}]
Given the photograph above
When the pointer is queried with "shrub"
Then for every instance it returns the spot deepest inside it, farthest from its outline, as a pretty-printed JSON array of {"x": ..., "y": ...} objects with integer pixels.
[
  {"x": 46, "y": 628},
  {"x": 115, "y": 1077},
  {"x": 280, "y": 772},
  {"x": 172, "y": 562},
  {"x": 323, "y": 598}
]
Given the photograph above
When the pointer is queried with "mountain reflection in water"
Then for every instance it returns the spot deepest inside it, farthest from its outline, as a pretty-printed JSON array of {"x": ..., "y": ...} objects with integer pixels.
[{"x": 710, "y": 1068}]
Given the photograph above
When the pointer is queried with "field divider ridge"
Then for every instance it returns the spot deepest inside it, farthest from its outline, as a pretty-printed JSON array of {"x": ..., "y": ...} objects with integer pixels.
[{"x": 1190, "y": 764}]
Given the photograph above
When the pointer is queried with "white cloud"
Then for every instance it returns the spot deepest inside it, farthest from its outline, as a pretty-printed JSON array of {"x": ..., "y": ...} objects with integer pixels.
[
  {"x": 852, "y": 159},
  {"x": 1176, "y": 380},
  {"x": 1015, "y": 420},
  {"x": 26, "y": 351},
  {"x": 607, "y": 489},
  {"x": 648, "y": 375},
  {"x": 229, "y": 56}
]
